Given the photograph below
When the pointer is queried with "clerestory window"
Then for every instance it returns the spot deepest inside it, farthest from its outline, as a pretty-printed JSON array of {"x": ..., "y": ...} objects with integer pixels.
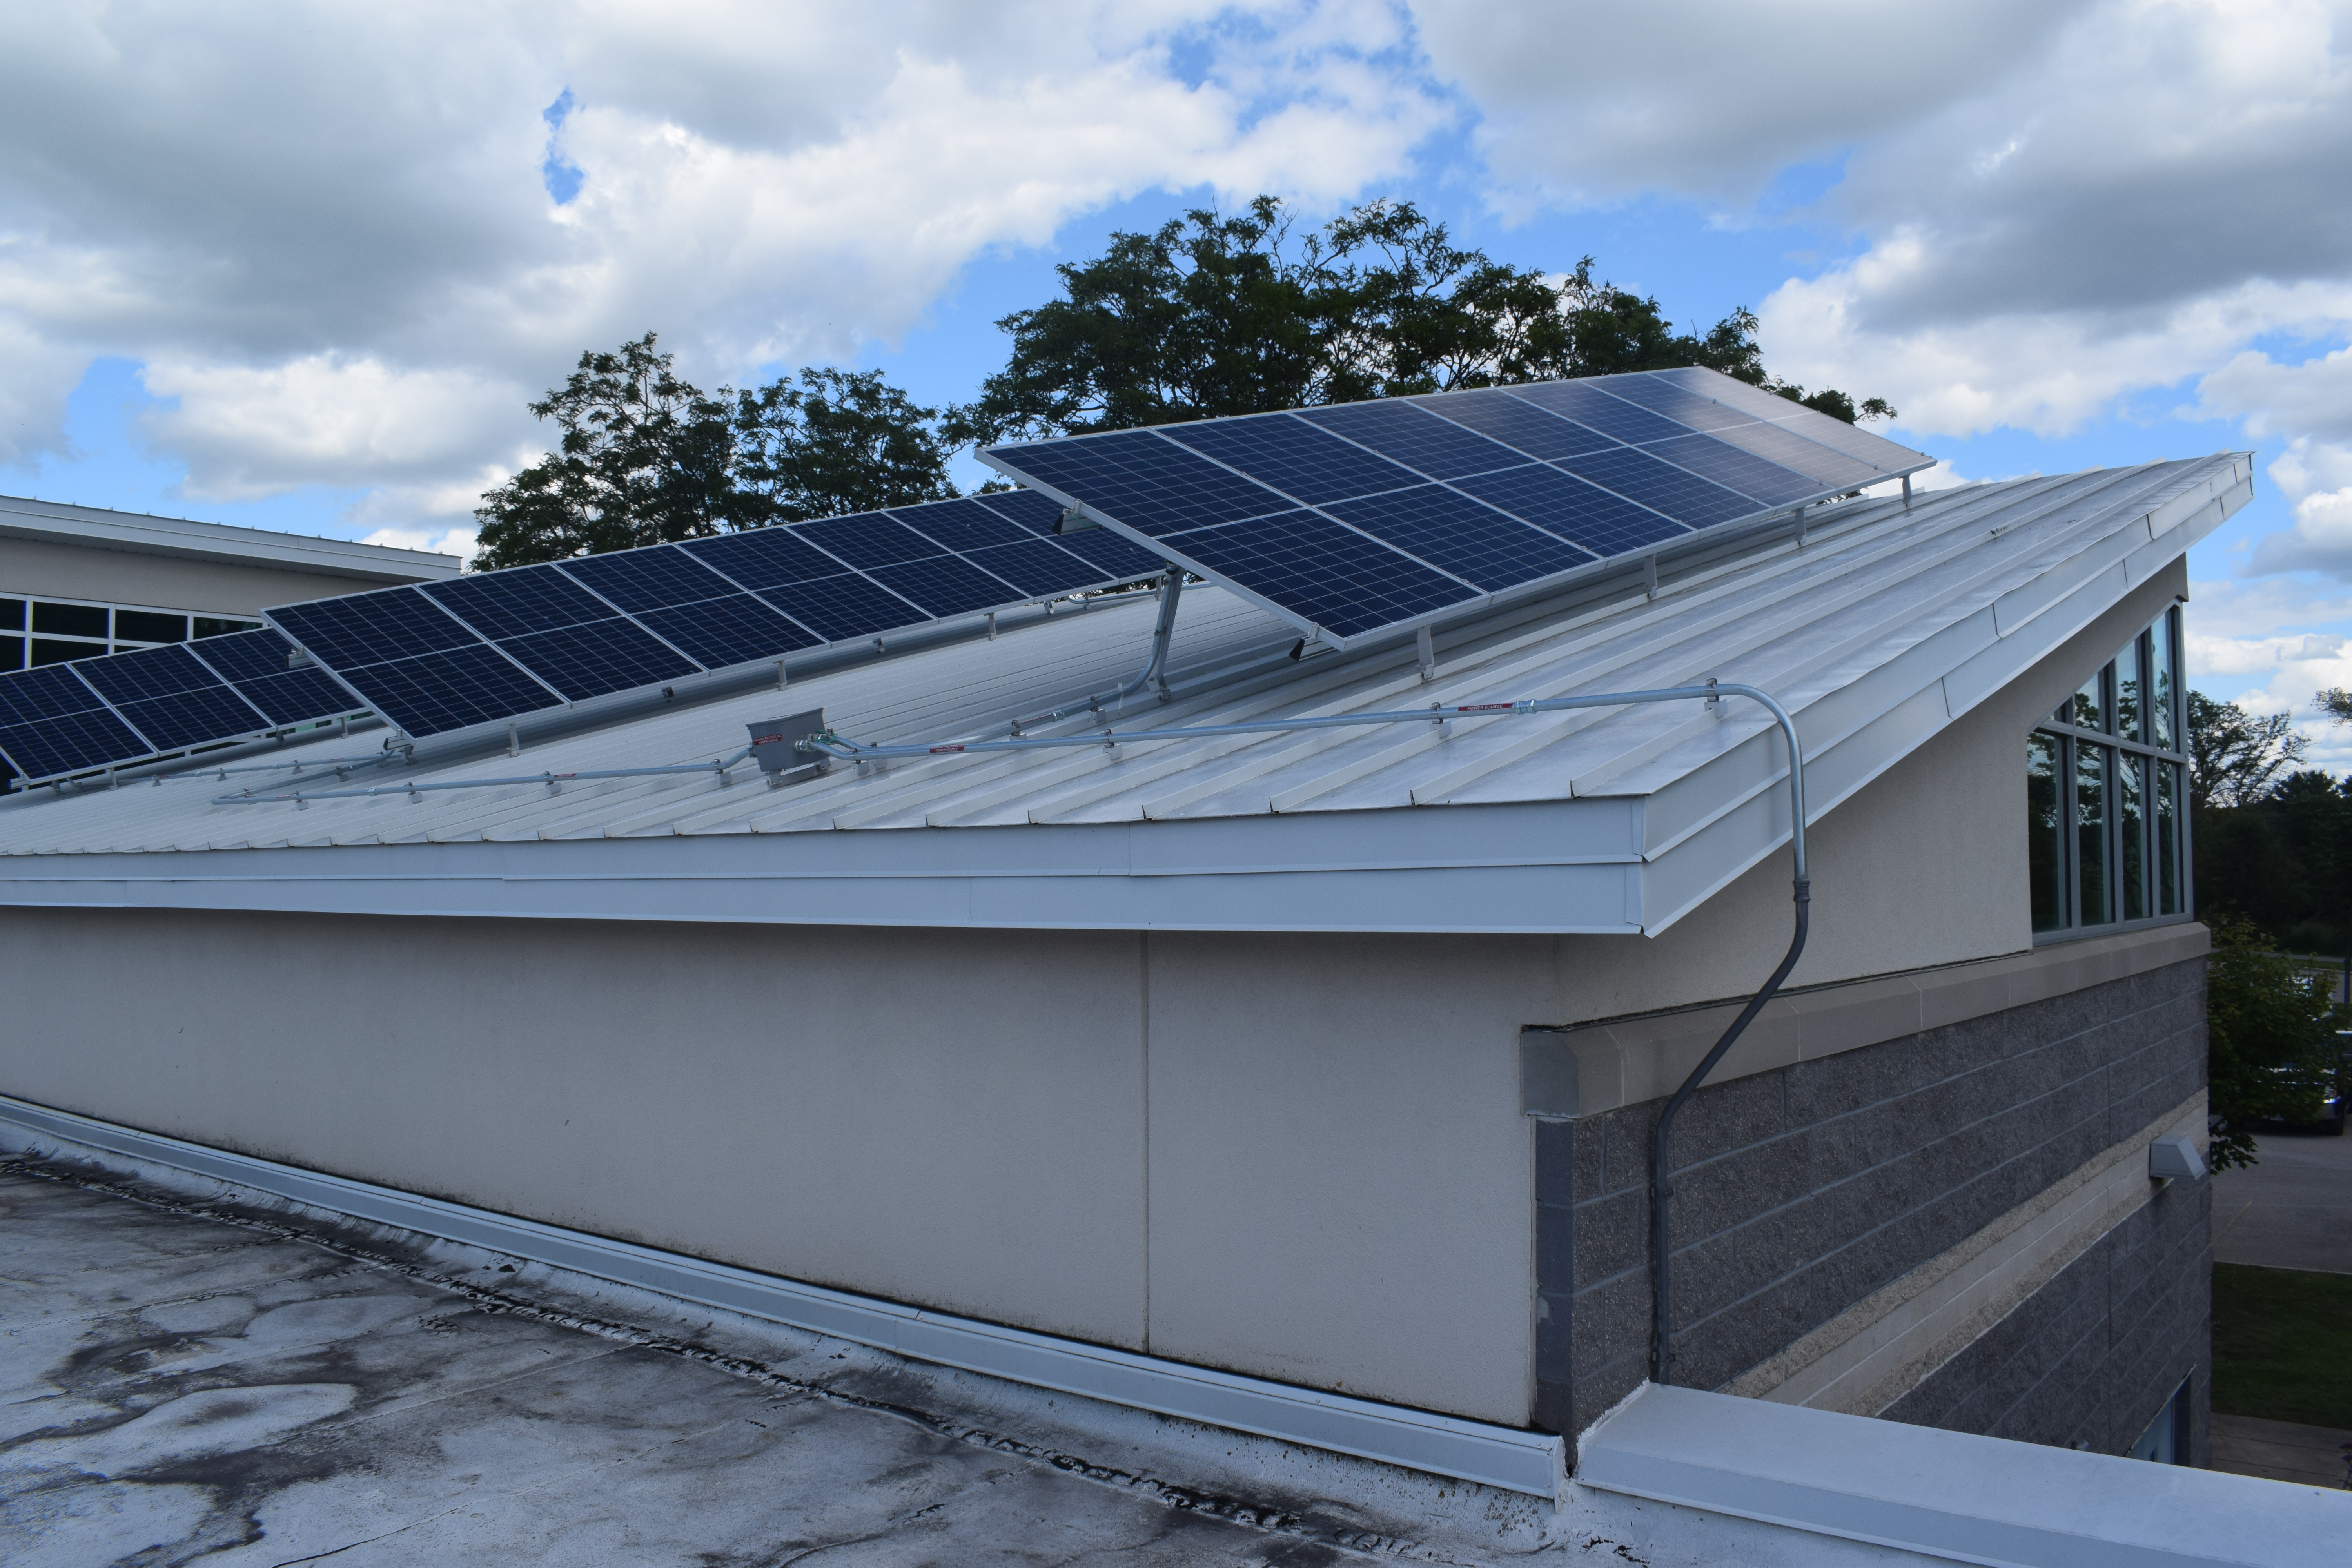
[{"x": 2106, "y": 799}]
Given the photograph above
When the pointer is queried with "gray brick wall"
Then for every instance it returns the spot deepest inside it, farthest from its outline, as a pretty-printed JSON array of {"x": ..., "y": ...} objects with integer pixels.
[{"x": 1800, "y": 1190}]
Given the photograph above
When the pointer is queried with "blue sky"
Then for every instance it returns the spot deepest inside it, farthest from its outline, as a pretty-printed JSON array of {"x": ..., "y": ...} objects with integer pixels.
[{"x": 248, "y": 273}]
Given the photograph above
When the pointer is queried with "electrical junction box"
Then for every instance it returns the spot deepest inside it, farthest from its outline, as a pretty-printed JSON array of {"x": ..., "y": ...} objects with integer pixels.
[{"x": 776, "y": 746}]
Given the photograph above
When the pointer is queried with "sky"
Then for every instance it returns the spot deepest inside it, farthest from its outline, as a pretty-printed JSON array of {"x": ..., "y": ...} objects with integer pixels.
[{"x": 303, "y": 267}]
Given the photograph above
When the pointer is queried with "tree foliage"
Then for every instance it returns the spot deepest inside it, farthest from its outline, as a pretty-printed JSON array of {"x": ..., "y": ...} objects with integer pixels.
[
  {"x": 2235, "y": 756},
  {"x": 2271, "y": 1037},
  {"x": 644, "y": 458},
  {"x": 1216, "y": 314}
]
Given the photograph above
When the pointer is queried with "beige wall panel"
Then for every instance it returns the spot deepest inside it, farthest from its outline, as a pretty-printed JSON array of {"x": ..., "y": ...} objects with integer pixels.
[
  {"x": 1340, "y": 1188},
  {"x": 1924, "y": 866},
  {"x": 949, "y": 1118},
  {"x": 122, "y": 576}
]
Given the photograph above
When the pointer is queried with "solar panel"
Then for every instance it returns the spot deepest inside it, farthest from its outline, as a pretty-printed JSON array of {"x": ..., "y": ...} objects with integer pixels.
[
  {"x": 118, "y": 709},
  {"x": 1042, "y": 568},
  {"x": 1293, "y": 457},
  {"x": 1038, "y": 513},
  {"x": 964, "y": 525},
  {"x": 514, "y": 604},
  {"x": 435, "y": 693},
  {"x": 254, "y": 664},
  {"x": 1513, "y": 489},
  {"x": 1457, "y": 534},
  {"x": 736, "y": 629},
  {"x": 655, "y": 579},
  {"x": 361, "y": 629},
  {"x": 763, "y": 558},
  {"x": 171, "y": 698},
  {"x": 844, "y": 608},
  {"x": 1342, "y": 580},
  {"x": 51, "y": 723},
  {"x": 945, "y": 585},
  {"x": 866, "y": 540},
  {"x": 1580, "y": 512},
  {"x": 1515, "y": 422}
]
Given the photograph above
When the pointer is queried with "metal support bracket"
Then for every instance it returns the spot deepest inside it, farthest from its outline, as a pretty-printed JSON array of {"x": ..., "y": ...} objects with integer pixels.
[
  {"x": 1650, "y": 576},
  {"x": 1906, "y": 492},
  {"x": 1426, "y": 649}
]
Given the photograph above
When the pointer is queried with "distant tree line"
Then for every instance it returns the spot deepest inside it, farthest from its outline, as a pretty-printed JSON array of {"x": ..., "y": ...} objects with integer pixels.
[
  {"x": 2273, "y": 871},
  {"x": 1212, "y": 314}
]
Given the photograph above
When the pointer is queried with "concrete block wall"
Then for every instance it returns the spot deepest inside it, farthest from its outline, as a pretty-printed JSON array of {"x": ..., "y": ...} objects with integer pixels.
[
  {"x": 1800, "y": 1190},
  {"x": 2092, "y": 1356}
]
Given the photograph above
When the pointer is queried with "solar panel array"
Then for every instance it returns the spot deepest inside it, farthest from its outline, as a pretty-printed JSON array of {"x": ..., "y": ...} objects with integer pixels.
[
  {"x": 1363, "y": 520},
  {"x": 441, "y": 656},
  {"x": 93, "y": 713}
]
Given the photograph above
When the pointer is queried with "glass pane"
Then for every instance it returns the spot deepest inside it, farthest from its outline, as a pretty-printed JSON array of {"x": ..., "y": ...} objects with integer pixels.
[
  {"x": 2046, "y": 833},
  {"x": 2167, "y": 838},
  {"x": 2091, "y": 835},
  {"x": 2131, "y": 818},
  {"x": 12, "y": 653},
  {"x": 146, "y": 625},
  {"x": 2087, "y": 712},
  {"x": 2126, "y": 668},
  {"x": 46, "y": 651},
  {"x": 213, "y": 627},
  {"x": 70, "y": 620},
  {"x": 2160, "y": 662},
  {"x": 12, "y": 615}
]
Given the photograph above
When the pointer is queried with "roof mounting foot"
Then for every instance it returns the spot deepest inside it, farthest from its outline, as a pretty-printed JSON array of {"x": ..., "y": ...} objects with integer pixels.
[
  {"x": 1426, "y": 650},
  {"x": 1797, "y": 513},
  {"x": 782, "y": 679},
  {"x": 514, "y": 740},
  {"x": 1906, "y": 492},
  {"x": 992, "y": 634},
  {"x": 1650, "y": 576}
]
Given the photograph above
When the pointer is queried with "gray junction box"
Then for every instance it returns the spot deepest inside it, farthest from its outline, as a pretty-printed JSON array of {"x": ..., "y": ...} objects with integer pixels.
[{"x": 776, "y": 747}]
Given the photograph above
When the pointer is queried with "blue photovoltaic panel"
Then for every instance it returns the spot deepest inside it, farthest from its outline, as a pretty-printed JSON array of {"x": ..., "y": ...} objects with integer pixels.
[
  {"x": 962, "y": 525},
  {"x": 1579, "y": 512},
  {"x": 655, "y": 579},
  {"x": 1337, "y": 578},
  {"x": 763, "y": 558},
  {"x": 866, "y": 539},
  {"x": 1120, "y": 558},
  {"x": 599, "y": 658},
  {"x": 69, "y": 743},
  {"x": 1457, "y": 534},
  {"x": 842, "y": 608},
  {"x": 945, "y": 585},
  {"x": 1659, "y": 486},
  {"x": 171, "y": 698},
  {"x": 1293, "y": 456},
  {"x": 1417, "y": 439},
  {"x": 1584, "y": 472},
  {"x": 438, "y": 692},
  {"x": 254, "y": 663},
  {"x": 736, "y": 629},
  {"x": 1033, "y": 510},
  {"x": 1041, "y": 568},
  {"x": 1595, "y": 409},
  {"x": 1675, "y": 403},
  {"x": 1735, "y": 469},
  {"x": 361, "y": 629},
  {"x": 1791, "y": 451},
  {"x": 1887, "y": 456},
  {"x": 51, "y": 723},
  {"x": 1515, "y": 422},
  {"x": 520, "y": 601},
  {"x": 1150, "y": 485}
]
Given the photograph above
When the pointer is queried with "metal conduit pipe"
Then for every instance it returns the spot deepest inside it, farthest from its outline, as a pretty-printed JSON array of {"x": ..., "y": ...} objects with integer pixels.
[
  {"x": 1661, "y": 1243},
  {"x": 1155, "y": 669},
  {"x": 552, "y": 781}
]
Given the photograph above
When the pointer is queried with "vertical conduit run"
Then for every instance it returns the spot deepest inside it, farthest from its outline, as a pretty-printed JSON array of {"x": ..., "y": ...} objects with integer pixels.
[{"x": 1661, "y": 1354}]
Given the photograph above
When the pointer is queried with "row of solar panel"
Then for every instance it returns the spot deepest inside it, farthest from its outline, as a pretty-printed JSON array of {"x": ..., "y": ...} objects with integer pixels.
[
  {"x": 64, "y": 719},
  {"x": 1360, "y": 517},
  {"x": 445, "y": 655}
]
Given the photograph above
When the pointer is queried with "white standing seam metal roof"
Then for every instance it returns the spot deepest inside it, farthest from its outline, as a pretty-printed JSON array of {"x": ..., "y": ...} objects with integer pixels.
[
  {"x": 1881, "y": 628},
  {"x": 142, "y": 534}
]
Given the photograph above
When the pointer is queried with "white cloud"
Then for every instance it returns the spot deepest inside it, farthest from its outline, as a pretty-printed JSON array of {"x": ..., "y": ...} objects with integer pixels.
[{"x": 324, "y": 230}]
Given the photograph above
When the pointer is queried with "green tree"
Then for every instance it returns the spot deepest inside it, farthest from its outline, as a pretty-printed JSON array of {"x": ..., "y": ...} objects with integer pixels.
[
  {"x": 2271, "y": 1036},
  {"x": 646, "y": 458},
  {"x": 643, "y": 456},
  {"x": 841, "y": 441},
  {"x": 2234, "y": 756},
  {"x": 1217, "y": 314}
]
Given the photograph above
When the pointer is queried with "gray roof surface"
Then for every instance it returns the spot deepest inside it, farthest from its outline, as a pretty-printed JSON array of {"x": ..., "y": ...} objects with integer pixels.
[
  {"x": 1885, "y": 625},
  {"x": 142, "y": 534}
]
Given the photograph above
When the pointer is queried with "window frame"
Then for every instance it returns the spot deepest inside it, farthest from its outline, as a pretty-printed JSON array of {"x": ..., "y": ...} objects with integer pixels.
[{"x": 2071, "y": 738}]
